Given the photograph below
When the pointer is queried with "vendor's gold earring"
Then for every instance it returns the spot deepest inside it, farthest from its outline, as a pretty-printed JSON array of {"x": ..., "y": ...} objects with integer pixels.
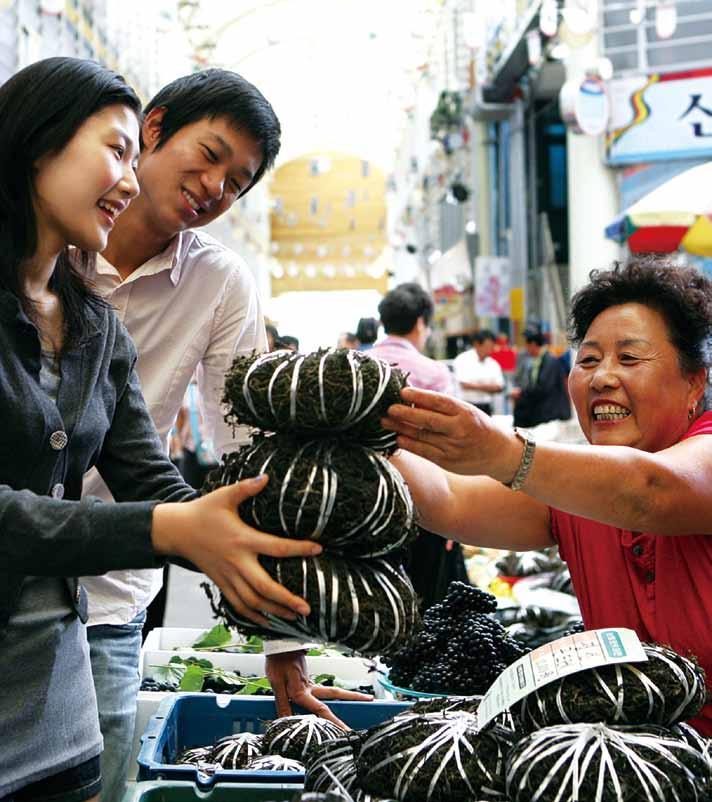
[{"x": 691, "y": 411}]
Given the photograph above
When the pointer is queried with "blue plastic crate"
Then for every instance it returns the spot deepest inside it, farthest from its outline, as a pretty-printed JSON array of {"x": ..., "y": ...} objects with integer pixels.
[
  {"x": 198, "y": 719},
  {"x": 187, "y": 792}
]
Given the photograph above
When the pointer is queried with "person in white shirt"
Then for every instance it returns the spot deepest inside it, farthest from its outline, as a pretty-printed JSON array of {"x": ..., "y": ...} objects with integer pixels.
[
  {"x": 479, "y": 376},
  {"x": 190, "y": 305}
]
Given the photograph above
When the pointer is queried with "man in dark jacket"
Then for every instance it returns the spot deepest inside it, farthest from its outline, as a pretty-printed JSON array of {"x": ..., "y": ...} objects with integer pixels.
[{"x": 540, "y": 394}]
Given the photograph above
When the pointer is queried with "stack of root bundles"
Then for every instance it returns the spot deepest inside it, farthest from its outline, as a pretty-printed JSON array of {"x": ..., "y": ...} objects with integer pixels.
[{"x": 323, "y": 447}]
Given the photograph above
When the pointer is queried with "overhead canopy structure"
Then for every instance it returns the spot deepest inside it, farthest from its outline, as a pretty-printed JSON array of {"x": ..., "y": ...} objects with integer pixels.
[{"x": 339, "y": 73}]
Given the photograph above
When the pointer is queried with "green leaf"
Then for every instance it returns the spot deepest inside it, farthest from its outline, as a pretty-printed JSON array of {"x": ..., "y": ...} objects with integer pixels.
[
  {"x": 314, "y": 652},
  {"x": 228, "y": 677},
  {"x": 218, "y": 636},
  {"x": 193, "y": 679},
  {"x": 319, "y": 678},
  {"x": 177, "y": 659}
]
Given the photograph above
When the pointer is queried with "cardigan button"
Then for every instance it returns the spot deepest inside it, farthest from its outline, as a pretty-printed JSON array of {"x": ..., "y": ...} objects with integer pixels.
[
  {"x": 58, "y": 440},
  {"x": 637, "y": 549}
]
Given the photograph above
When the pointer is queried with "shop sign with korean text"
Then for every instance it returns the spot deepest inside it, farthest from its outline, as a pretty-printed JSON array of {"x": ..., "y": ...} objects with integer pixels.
[{"x": 660, "y": 117}]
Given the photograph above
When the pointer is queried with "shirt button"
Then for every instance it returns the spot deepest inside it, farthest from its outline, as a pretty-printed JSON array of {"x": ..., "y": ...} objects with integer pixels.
[
  {"x": 58, "y": 491},
  {"x": 649, "y": 576},
  {"x": 637, "y": 550},
  {"x": 58, "y": 440}
]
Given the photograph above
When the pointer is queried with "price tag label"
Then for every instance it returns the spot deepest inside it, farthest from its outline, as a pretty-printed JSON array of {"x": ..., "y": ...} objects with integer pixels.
[{"x": 595, "y": 647}]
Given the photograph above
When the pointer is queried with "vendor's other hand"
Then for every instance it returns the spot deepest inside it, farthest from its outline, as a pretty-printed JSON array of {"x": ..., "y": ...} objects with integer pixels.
[
  {"x": 455, "y": 435},
  {"x": 210, "y": 534},
  {"x": 515, "y": 393},
  {"x": 287, "y": 673}
]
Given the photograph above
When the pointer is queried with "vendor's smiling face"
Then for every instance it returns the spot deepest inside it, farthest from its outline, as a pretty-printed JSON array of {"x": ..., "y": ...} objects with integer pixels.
[{"x": 627, "y": 384}]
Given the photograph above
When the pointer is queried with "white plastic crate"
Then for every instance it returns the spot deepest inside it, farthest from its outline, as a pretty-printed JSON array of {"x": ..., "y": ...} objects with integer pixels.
[{"x": 163, "y": 643}]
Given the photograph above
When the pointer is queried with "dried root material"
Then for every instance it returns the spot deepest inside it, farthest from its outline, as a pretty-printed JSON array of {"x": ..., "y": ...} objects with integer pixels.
[
  {"x": 597, "y": 763},
  {"x": 367, "y": 606},
  {"x": 666, "y": 689},
  {"x": 433, "y": 758},
  {"x": 337, "y": 391},
  {"x": 347, "y": 497},
  {"x": 296, "y": 737}
]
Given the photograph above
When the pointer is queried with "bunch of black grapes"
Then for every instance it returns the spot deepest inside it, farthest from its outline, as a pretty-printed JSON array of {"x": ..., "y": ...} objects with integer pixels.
[{"x": 460, "y": 648}]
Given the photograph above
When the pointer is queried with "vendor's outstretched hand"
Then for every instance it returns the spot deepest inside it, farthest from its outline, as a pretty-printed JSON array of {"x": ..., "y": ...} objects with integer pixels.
[
  {"x": 455, "y": 435},
  {"x": 287, "y": 673},
  {"x": 211, "y": 535}
]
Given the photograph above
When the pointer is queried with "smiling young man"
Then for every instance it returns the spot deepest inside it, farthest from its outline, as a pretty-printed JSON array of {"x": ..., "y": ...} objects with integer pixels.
[{"x": 190, "y": 305}]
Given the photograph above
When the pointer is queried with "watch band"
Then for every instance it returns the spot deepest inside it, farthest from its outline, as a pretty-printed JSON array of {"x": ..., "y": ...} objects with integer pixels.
[{"x": 525, "y": 464}]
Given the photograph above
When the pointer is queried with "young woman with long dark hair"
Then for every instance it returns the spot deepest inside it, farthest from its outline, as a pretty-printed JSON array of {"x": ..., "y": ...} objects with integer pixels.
[{"x": 70, "y": 400}]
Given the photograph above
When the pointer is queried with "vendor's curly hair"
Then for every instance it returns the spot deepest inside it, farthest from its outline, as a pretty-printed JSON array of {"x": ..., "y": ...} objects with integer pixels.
[{"x": 681, "y": 294}]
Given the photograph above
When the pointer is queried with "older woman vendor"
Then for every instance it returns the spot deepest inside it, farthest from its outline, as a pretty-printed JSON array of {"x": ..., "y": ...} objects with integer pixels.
[{"x": 632, "y": 511}]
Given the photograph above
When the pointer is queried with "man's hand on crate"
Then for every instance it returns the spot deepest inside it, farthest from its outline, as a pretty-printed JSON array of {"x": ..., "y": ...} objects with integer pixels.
[{"x": 288, "y": 675}]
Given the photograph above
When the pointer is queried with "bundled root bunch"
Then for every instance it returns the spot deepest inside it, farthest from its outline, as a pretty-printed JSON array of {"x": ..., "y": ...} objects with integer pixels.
[
  {"x": 666, "y": 689},
  {"x": 597, "y": 763},
  {"x": 332, "y": 767},
  {"x": 237, "y": 751},
  {"x": 468, "y": 705},
  {"x": 340, "y": 795},
  {"x": 336, "y": 391},
  {"x": 347, "y": 497},
  {"x": 368, "y": 606},
  {"x": 296, "y": 737},
  {"x": 276, "y": 763},
  {"x": 460, "y": 648},
  {"x": 433, "y": 758},
  {"x": 195, "y": 756}
]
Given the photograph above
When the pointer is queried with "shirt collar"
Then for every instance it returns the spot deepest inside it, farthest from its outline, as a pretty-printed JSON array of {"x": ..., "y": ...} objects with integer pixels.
[
  {"x": 171, "y": 258},
  {"x": 394, "y": 339}
]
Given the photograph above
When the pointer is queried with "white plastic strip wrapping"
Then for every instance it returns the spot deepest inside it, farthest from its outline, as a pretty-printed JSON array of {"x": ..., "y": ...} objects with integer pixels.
[
  {"x": 358, "y": 408},
  {"x": 323, "y": 481},
  {"x": 574, "y": 752},
  {"x": 453, "y": 740}
]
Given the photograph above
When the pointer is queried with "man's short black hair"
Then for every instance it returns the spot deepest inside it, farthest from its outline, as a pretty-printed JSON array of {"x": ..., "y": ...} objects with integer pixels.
[
  {"x": 534, "y": 335},
  {"x": 482, "y": 336},
  {"x": 220, "y": 93},
  {"x": 287, "y": 341},
  {"x": 402, "y": 306},
  {"x": 367, "y": 330}
]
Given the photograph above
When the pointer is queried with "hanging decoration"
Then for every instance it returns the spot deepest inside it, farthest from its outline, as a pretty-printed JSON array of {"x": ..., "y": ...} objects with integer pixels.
[
  {"x": 549, "y": 17},
  {"x": 665, "y": 19}
]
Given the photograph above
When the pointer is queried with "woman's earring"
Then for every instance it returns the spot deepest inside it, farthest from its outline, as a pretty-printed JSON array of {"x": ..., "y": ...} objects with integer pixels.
[{"x": 691, "y": 411}]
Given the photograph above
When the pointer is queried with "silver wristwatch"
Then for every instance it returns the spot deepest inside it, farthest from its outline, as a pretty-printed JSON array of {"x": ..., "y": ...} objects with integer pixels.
[{"x": 525, "y": 464}]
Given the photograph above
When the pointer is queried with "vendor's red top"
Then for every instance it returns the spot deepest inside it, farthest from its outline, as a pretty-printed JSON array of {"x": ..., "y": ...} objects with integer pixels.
[{"x": 658, "y": 585}]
